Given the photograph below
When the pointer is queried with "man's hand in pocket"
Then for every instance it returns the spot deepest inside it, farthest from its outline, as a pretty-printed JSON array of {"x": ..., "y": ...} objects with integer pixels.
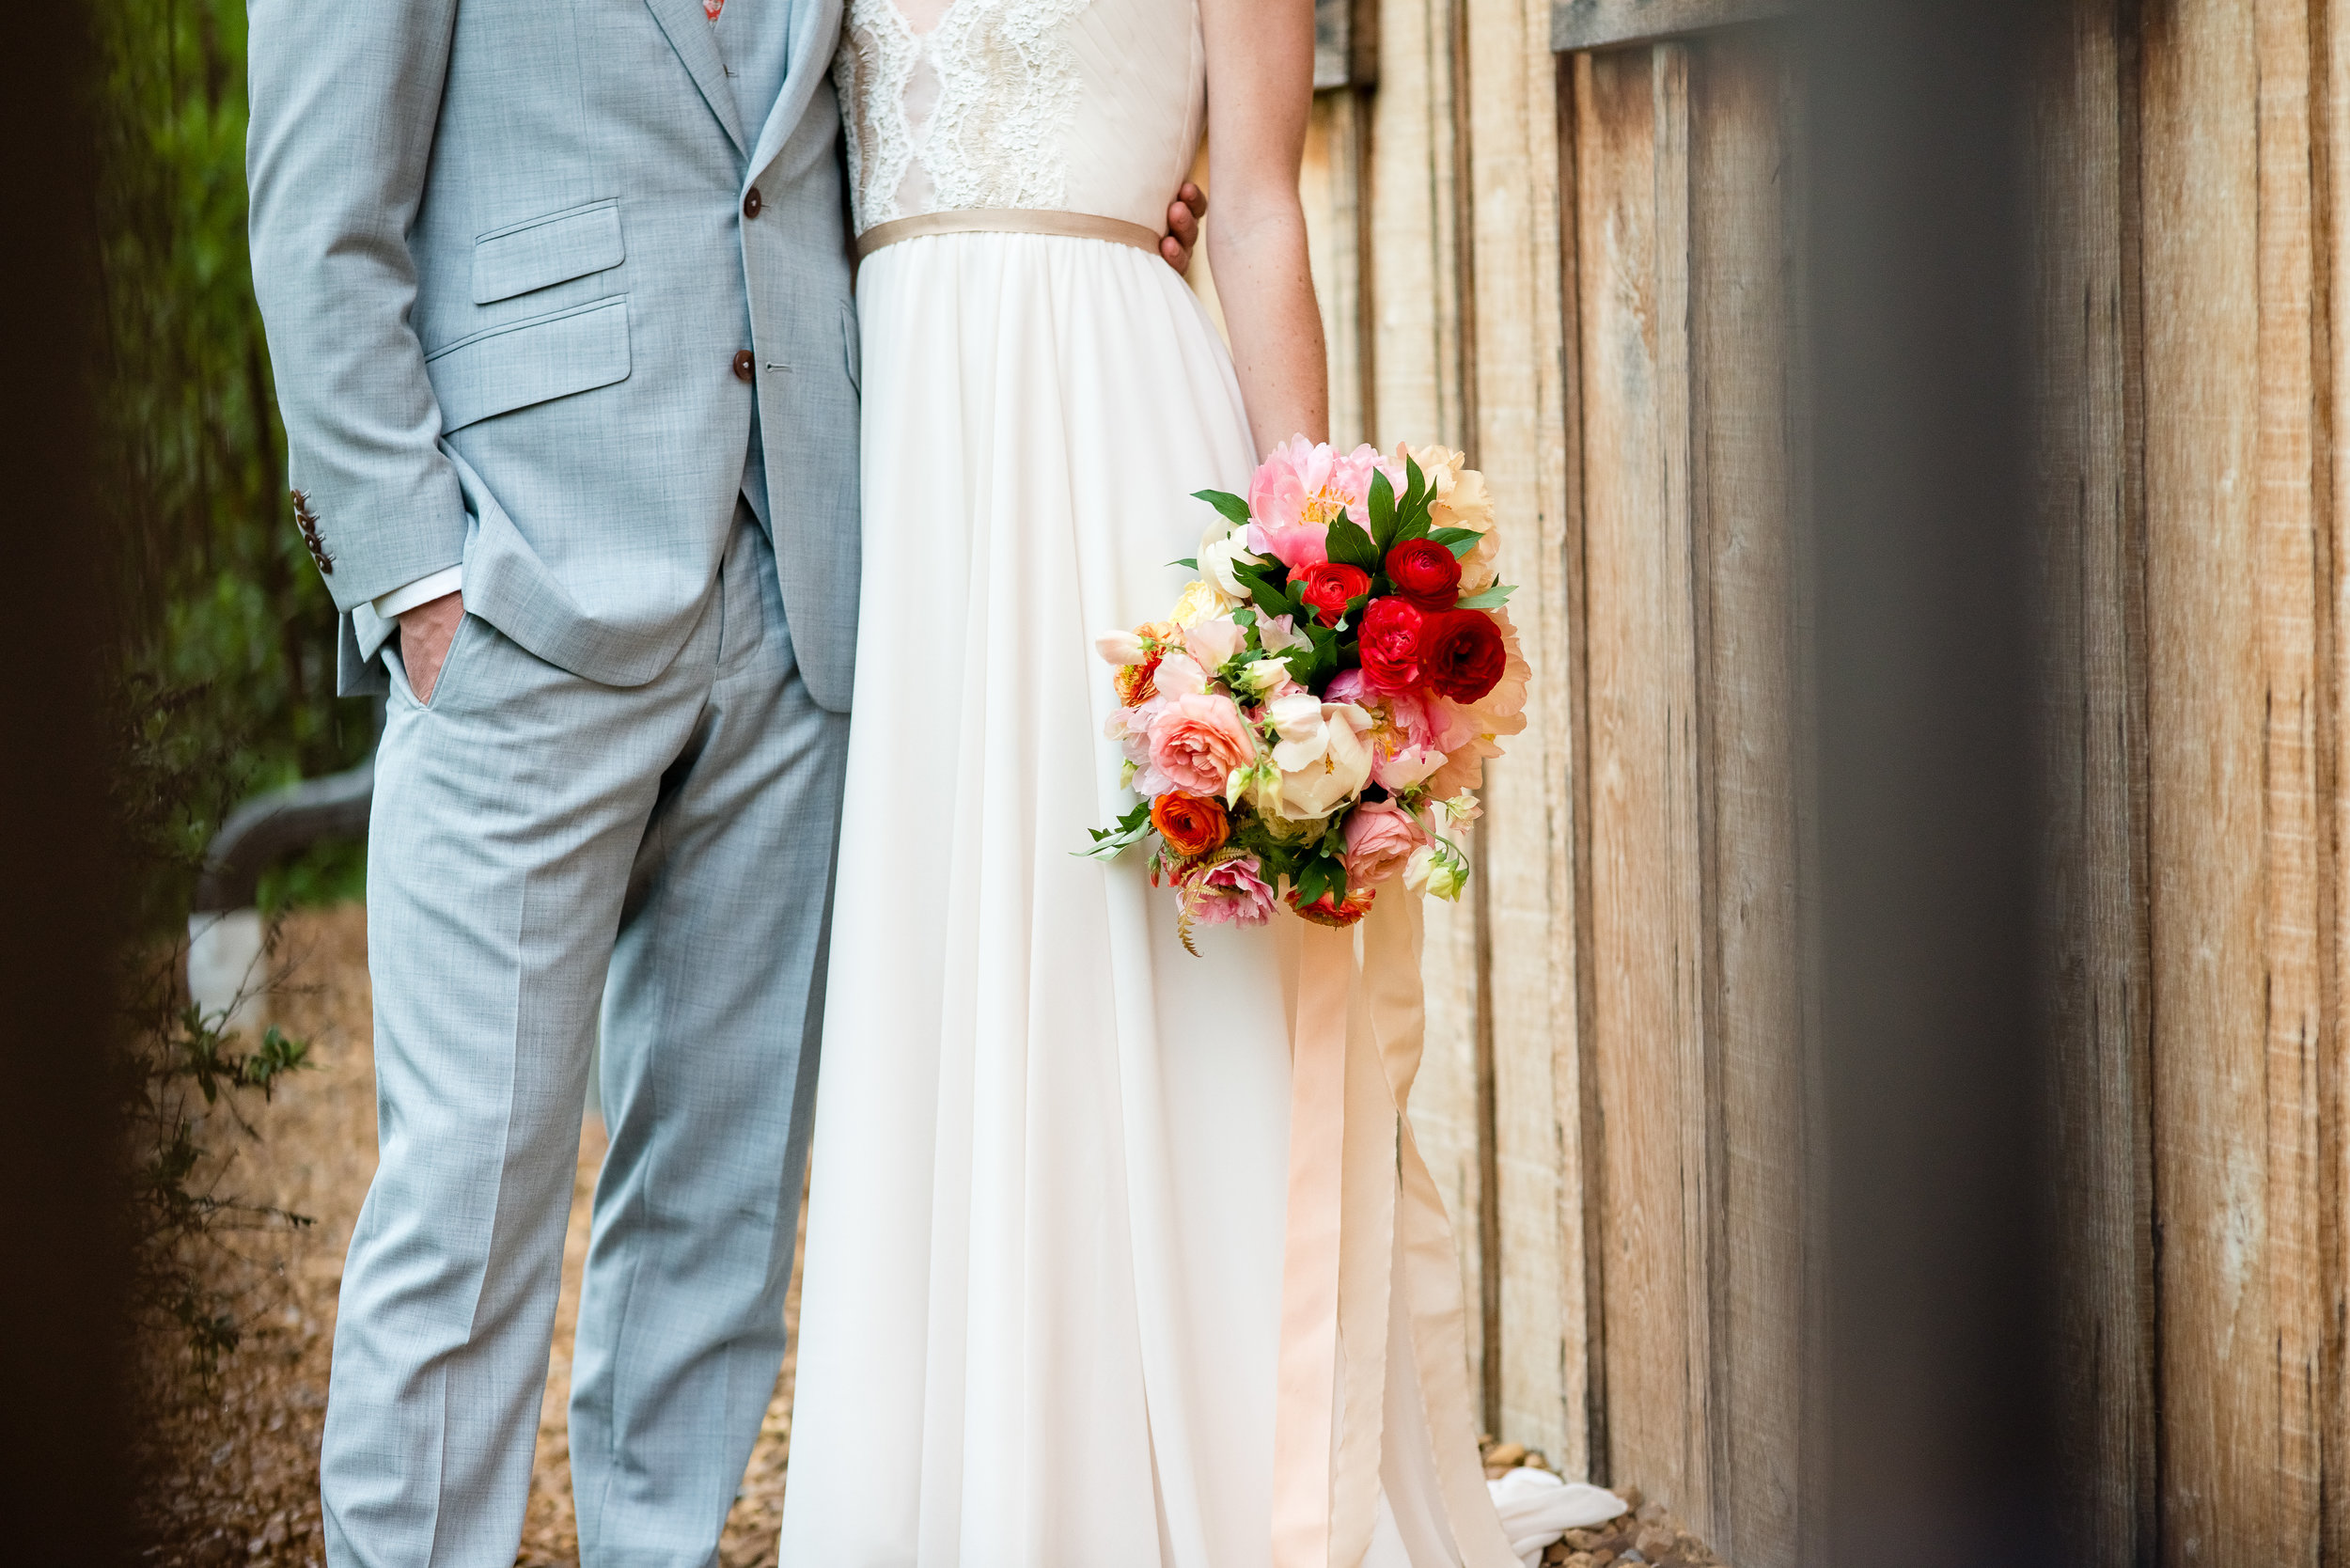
[{"x": 425, "y": 634}]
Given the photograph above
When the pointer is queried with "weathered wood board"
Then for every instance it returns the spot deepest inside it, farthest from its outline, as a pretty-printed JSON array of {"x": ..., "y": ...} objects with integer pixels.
[
  {"x": 2088, "y": 415},
  {"x": 1745, "y": 505},
  {"x": 1632, "y": 181},
  {"x": 1521, "y": 445}
]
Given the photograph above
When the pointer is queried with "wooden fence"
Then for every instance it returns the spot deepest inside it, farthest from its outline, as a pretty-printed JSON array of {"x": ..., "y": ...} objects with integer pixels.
[{"x": 1569, "y": 240}]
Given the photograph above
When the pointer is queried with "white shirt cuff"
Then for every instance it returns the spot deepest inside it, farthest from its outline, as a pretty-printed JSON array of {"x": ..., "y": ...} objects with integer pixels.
[{"x": 449, "y": 579}]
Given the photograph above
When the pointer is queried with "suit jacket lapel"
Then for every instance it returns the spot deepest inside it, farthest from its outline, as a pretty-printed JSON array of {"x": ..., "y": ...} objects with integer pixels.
[
  {"x": 815, "y": 34},
  {"x": 697, "y": 44}
]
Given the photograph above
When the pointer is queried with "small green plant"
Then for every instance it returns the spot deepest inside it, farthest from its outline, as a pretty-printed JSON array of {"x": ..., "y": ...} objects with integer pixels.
[
  {"x": 175, "y": 1182},
  {"x": 182, "y": 1068}
]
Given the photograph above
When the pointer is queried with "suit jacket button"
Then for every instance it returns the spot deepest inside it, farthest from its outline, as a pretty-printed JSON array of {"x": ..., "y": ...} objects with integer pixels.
[
  {"x": 743, "y": 365},
  {"x": 752, "y": 203}
]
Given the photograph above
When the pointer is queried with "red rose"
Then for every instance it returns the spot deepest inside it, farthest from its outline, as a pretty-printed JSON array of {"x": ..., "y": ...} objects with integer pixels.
[
  {"x": 1327, "y": 586},
  {"x": 1392, "y": 638},
  {"x": 1425, "y": 572},
  {"x": 1325, "y": 911},
  {"x": 1460, "y": 655}
]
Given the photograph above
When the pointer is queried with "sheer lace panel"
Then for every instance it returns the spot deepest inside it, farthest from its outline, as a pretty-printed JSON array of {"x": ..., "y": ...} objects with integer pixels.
[{"x": 955, "y": 104}]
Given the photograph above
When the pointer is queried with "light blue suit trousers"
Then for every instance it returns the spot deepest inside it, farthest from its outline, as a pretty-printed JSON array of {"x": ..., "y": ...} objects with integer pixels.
[{"x": 531, "y": 828}]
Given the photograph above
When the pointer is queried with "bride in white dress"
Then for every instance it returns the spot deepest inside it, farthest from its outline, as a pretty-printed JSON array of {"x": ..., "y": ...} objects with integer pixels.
[{"x": 1045, "y": 1253}]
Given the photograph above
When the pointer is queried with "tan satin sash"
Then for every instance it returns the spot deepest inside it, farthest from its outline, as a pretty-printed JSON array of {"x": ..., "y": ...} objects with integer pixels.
[
  {"x": 1357, "y": 1188},
  {"x": 1007, "y": 220}
]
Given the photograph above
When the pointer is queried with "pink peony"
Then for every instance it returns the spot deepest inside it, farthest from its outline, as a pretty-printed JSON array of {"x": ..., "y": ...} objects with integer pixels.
[
  {"x": 1380, "y": 839},
  {"x": 1300, "y": 489},
  {"x": 1231, "y": 892},
  {"x": 1197, "y": 741}
]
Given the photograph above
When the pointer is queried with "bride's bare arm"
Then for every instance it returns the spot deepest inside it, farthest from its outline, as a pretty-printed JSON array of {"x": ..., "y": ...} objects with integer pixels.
[{"x": 1260, "y": 84}]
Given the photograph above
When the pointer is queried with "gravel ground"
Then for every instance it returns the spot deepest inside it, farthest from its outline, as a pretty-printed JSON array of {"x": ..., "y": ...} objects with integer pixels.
[
  {"x": 232, "y": 1476},
  {"x": 1646, "y": 1534}
]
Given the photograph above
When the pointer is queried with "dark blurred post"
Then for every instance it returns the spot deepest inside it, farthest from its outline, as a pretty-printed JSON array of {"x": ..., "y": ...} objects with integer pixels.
[
  {"x": 62, "y": 1485},
  {"x": 1938, "y": 1402}
]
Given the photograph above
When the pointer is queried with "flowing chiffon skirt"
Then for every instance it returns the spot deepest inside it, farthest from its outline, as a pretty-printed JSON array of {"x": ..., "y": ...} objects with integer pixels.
[{"x": 1044, "y": 1272}]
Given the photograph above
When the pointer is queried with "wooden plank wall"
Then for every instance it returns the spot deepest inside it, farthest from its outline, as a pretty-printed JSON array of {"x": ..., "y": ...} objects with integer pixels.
[
  {"x": 1555, "y": 262},
  {"x": 1686, "y": 276},
  {"x": 2191, "y": 203},
  {"x": 1583, "y": 276}
]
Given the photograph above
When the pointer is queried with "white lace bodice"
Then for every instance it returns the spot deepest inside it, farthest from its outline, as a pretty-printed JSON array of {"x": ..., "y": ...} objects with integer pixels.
[{"x": 1088, "y": 106}]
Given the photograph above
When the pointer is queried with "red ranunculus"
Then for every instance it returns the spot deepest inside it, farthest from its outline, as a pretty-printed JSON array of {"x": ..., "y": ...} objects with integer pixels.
[
  {"x": 1327, "y": 586},
  {"x": 1460, "y": 655},
  {"x": 1425, "y": 572},
  {"x": 1391, "y": 636}
]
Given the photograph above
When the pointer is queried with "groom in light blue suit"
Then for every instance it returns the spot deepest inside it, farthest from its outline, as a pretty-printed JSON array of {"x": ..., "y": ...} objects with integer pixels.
[{"x": 537, "y": 274}]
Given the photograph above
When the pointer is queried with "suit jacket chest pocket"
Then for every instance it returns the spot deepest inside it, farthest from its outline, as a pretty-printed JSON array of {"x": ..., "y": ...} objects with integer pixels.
[{"x": 543, "y": 252}]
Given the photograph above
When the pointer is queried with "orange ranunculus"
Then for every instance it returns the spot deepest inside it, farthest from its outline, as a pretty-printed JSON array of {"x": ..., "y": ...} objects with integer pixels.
[
  {"x": 1192, "y": 825},
  {"x": 1135, "y": 682}
]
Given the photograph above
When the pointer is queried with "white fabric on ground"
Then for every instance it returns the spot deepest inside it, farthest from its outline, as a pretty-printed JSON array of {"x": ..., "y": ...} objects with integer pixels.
[{"x": 1537, "y": 1507}]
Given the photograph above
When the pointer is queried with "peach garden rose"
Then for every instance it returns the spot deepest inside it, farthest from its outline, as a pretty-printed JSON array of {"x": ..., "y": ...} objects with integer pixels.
[{"x": 1197, "y": 741}]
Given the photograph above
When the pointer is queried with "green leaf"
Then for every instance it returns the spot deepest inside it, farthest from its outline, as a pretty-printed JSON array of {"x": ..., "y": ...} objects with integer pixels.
[
  {"x": 1415, "y": 494},
  {"x": 1187, "y": 563},
  {"x": 1110, "y": 842},
  {"x": 1326, "y": 657},
  {"x": 1382, "y": 512},
  {"x": 1350, "y": 546},
  {"x": 1459, "y": 540},
  {"x": 1492, "y": 599},
  {"x": 1232, "y": 506},
  {"x": 1267, "y": 593},
  {"x": 1313, "y": 880}
]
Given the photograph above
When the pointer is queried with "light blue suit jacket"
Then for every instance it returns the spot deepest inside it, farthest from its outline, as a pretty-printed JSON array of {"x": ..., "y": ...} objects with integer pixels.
[{"x": 505, "y": 258}]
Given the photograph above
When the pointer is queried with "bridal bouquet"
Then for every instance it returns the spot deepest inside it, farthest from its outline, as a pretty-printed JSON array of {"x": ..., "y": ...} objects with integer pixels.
[{"x": 1316, "y": 711}]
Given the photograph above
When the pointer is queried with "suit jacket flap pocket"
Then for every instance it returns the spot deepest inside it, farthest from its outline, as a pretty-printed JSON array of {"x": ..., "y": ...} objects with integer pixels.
[
  {"x": 530, "y": 362},
  {"x": 546, "y": 251}
]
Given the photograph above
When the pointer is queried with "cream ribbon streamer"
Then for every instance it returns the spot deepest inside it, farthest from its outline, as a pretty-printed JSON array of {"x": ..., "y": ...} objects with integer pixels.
[{"x": 1357, "y": 1188}]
